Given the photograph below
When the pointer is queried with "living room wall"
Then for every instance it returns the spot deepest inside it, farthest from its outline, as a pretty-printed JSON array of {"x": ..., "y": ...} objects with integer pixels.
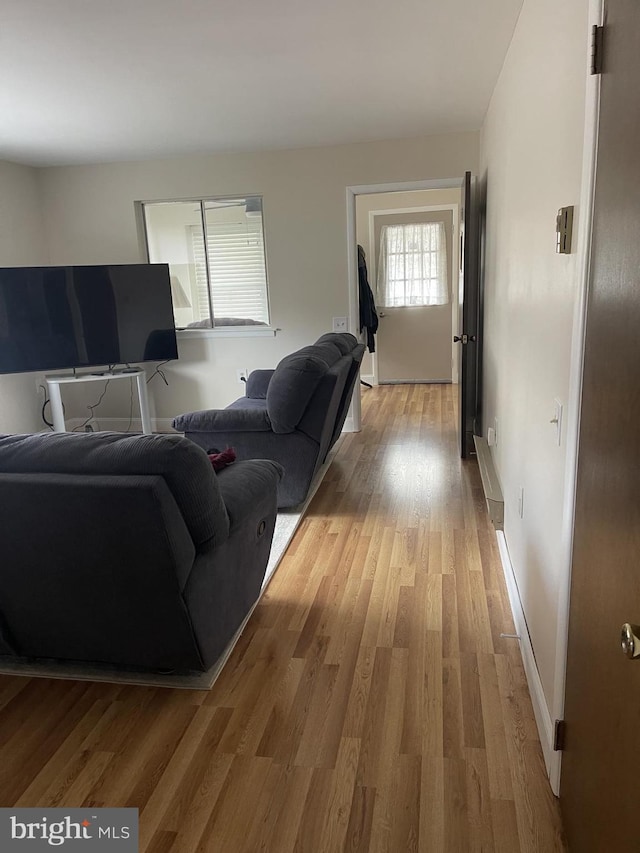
[
  {"x": 21, "y": 244},
  {"x": 532, "y": 158},
  {"x": 89, "y": 218}
]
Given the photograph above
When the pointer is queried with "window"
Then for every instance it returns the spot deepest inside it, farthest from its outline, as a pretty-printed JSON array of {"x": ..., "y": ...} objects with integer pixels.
[
  {"x": 216, "y": 256},
  {"x": 413, "y": 265}
]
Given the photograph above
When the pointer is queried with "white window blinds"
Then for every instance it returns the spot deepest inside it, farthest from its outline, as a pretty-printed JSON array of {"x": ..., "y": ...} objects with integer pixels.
[
  {"x": 412, "y": 269},
  {"x": 236, "y": 270}
]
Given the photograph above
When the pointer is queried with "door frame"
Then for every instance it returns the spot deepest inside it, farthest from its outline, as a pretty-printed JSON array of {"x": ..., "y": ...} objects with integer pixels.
[
  {"x": 587, "y": 192},
  {"x": 352, "y": 254},
  {"x": 454, "y": 264}
]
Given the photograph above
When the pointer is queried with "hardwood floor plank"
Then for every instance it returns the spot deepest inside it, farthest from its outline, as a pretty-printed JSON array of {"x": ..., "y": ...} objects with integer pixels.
[{"x": 370, "y": 703}]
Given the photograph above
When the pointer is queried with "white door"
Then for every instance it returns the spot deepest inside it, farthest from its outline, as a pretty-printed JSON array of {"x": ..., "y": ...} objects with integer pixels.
[{"x": 414, "y": 343}]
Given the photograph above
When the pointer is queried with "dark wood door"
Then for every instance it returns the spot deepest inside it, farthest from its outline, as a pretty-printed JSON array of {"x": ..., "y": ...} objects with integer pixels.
[
  {"x": 601, "y": 763},
  {"x": 467, "y": 336}
]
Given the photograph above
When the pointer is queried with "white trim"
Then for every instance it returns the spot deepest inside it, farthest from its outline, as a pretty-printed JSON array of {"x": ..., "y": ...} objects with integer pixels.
[
  {"x": 587, "y": 189},
  {"x": 227, "y": 332},
  {"x": 540, "y": 709},
  {"x": 369, "y": 378},
  {"x": 352, "y": 257}
]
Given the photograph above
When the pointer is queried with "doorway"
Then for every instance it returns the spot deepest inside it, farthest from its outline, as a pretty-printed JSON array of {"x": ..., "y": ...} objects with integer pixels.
[
  {"x": 413, "y": 343},
  {"x": 352, "y": 193}
]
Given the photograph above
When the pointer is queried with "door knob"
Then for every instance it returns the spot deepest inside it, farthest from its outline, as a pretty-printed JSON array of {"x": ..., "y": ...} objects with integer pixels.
[
  {"x": 630, "y": 640},
  {"x": 381, "y": 314}
]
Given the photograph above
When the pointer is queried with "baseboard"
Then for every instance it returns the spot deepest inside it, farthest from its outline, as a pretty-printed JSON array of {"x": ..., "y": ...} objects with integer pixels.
[
  {"x": 120, "y": 424},
  {"x": 540, "y": 709},
  {"x": 369, "y": 378}
]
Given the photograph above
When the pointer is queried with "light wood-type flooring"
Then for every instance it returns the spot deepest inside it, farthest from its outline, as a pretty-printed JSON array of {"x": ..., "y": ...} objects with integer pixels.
[{"x": 370, "y": 704}]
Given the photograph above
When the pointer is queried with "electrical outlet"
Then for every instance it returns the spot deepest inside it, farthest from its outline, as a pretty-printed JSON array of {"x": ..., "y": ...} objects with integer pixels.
[
  {"x": 521, "y": 502},
  {"x": 340, "y": 324},
  {"x": 242, "y": 374}
]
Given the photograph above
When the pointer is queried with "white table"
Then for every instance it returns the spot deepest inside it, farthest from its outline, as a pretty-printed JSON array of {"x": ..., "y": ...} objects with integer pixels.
[{"x": 54, "y": 384}]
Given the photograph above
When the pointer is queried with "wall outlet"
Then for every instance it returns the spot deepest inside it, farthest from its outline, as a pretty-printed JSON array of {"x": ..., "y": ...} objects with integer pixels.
[
  {"x": 340, "y": 324},
  {"x": 491, "y": 437},
  {"x": 242, "y": 374},
  {"x": 521, "y": 501}
]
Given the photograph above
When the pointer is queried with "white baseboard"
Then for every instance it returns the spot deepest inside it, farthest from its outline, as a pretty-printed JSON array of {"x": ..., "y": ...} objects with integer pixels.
[
  {"x": 121, "y": 424},
  {"x": 540, "y": 708},
  {"x": 369, "y": 378}
]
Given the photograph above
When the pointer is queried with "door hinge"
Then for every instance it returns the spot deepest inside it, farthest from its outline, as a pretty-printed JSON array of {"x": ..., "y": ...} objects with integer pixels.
[
  {"x": 597, "y": 38},
  {"x": 559, "y": 728}
]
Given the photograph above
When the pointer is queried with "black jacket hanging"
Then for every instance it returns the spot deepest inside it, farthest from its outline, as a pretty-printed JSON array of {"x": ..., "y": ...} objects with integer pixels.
[{"x": 368, "y": 316}]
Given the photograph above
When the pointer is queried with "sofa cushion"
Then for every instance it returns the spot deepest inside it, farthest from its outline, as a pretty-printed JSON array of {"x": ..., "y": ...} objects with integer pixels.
[
  {"x": 292, "y": 385},
  {"x": 344, "y": 341},
  {"x": 184, "y": 467}
]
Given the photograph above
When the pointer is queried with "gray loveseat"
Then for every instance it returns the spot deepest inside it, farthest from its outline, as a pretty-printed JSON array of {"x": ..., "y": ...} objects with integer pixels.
[
  {"x": 293, "y": 414},
  {"x": 128, "y": 550}
]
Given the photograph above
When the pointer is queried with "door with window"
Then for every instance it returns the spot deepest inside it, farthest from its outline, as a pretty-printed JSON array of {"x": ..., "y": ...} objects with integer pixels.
[{"x": 413, "y": 275}]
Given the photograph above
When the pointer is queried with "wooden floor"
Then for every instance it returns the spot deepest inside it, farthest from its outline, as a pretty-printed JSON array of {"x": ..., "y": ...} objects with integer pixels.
[{"x": 370, "y": 705}]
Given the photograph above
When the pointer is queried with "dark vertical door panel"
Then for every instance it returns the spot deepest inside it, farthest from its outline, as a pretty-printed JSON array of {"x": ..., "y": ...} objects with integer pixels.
[
  {"x": 600, "y": 765},
  {"x": 468, "y": 316}
]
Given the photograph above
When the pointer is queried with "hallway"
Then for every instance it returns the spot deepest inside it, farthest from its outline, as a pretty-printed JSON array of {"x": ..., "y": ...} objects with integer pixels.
[{"x": 370, "y": 704}]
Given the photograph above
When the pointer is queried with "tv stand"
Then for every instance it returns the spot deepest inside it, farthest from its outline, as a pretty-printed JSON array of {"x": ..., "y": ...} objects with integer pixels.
[{"x": 54, "y": 383}]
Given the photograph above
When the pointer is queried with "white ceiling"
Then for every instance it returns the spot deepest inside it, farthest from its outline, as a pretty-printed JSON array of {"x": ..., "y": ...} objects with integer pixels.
[{"x": 85, "y": 81}]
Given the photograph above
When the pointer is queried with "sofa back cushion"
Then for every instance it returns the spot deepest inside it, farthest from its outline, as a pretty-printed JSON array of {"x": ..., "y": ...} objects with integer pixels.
[
  {"x": 344, "y": 341},
  {"x": 318, "y": 420},
  {"x": 294, "y": 382},
  {"x": 184, "y": 467}
]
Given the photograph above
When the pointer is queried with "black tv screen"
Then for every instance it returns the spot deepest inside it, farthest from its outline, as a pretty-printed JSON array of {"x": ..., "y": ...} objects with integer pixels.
[{"x": 53, "y": 318}]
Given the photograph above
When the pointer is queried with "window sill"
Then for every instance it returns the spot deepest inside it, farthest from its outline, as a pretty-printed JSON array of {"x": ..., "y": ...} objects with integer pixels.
[{"x": 227, "y": 332}]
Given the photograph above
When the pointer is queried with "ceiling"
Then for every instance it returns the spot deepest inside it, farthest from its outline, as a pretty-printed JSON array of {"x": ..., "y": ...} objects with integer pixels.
[{"x": 86, "y": 81}]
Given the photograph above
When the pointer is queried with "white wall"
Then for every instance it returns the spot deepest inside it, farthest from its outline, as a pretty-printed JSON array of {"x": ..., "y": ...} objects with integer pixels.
[
  {"x": 21, "y": 244},
  {"x": 89, "y": 218},
  {"x": 532, "y": 151}
]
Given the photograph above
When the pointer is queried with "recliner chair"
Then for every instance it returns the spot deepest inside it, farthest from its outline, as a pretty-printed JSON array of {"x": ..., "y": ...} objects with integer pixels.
[
  {"x": 292, "y": 415},
  {"x": 128, "y": 549}
]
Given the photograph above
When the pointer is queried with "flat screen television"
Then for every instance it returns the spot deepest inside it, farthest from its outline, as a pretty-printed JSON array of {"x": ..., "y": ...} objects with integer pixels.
[{"x": 53, "y": 318}]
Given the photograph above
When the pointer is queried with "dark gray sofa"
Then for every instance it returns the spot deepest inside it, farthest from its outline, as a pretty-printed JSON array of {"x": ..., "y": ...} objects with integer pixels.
[
  {"x": 128, "y": 550},
  {"x": 293, "y": 414}
]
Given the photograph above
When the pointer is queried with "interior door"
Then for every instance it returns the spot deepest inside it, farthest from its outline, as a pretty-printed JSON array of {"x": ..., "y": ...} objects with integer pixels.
[
  {"x": 467, "y": 336},
  {"x": 601, "y": 762},
  {"x": 414, "y": 343}
]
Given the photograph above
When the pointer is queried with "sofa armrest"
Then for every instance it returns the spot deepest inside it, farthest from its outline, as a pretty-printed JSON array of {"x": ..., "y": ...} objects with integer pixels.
[
  {"x": 257, "y": 384},
  {"x": 223, "y": 420},
  {"x": 243, "y": 485}
]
